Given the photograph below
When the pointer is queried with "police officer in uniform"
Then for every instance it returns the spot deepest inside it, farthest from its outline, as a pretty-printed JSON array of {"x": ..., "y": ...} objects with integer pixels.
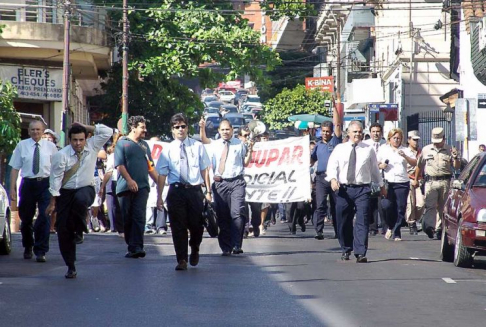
[{"x": 437, "y": 160}]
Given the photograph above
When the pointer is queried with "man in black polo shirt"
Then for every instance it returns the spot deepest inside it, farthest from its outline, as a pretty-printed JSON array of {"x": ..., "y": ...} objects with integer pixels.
[
  {"x": 321, "y": 154},
  {"x": 134, "y": 163}
]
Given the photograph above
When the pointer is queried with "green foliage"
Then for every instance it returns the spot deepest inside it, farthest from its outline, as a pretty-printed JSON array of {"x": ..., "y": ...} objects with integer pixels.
[
  {"x": 156, "y": 98},
  {"x": 180, "y": 36},
  {"x": 9, "y": 118},
  {"x": 293, "y": 9},
  {"x": 292, "y": 102}
]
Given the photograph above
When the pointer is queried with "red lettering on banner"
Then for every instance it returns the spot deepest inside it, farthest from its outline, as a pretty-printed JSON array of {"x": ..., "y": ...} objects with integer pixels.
[
  {"x": 297, "y": 154},
  {"x": 285, "y": 157},
  {"x": 272, "y": 156}
]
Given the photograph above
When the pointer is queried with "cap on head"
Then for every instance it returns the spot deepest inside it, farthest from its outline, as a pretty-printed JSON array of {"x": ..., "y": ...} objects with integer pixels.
[
  {"x": 54, "y": 134},
  {"x": 437, "y": 135},
  {"x": 414, "y": 135}
]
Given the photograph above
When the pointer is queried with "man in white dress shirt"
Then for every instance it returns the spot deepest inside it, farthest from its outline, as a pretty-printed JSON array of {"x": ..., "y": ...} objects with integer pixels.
[
  {"x": 351, "y": 168},
  {"x": 185, "y": 164},
  {"x": 377, "y": 212},
  {"x": 32, "y": 157},
  {"x": 72, "y": 186}
]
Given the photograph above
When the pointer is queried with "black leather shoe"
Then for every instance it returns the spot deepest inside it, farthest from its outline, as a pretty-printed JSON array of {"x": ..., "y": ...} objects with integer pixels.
[
  {"x": 361, "y": 259},
  {"x": 345, "y": 256},
  {"x": 182, "y": 265},
  {"x": 373, "y": 233},
  {"x": 319, "y": 236},
  {"x": 302, "y": 228},
  {"x": 40, "y": 258},
  {"x": 194, "y": 258},
  {"x": 132, "y": 255},
  {"x": 438, "y": 234},
  {"x": 226, "y": 254},
  {"x": 28, "y": 253},
  {"x": 237, "y": 250},
  {"x": 71, "y": 274},
  {"x": 430, "y": 232}
]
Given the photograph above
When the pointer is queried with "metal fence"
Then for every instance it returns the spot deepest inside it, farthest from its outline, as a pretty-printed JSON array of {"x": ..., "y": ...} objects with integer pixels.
[{"x": 424, "y": 122}]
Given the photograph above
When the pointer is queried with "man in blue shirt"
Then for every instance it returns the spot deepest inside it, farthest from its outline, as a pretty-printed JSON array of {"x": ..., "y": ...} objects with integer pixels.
[
  {"x": 229, "y": 158},
  {"x": 185, "y": 163},
  {"x": 321, "y": 154}
]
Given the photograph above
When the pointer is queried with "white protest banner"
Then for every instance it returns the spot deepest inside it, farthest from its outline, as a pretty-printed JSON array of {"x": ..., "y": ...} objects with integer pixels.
[
  {"x": 279, "y": 171},
  {"x": 156, "y": 149}
]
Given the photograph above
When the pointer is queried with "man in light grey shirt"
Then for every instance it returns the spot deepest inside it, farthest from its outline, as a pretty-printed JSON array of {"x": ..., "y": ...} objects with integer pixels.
[{"x": 72, "y": 186}]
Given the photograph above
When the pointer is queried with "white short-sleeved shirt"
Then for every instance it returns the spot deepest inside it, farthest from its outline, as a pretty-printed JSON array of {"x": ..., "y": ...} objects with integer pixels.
[{"x": 396, "y": 171}]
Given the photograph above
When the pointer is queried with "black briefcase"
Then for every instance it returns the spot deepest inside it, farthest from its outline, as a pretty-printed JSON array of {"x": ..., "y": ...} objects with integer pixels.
[{"x": 210, "y": 220}]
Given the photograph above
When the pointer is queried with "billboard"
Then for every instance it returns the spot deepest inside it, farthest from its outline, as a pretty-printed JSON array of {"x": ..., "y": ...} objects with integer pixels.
[{"x": 324, "y": 84}]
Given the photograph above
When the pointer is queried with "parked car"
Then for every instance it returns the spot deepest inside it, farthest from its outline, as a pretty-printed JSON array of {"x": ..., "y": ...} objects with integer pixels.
[
  {"x": 248, "y": 117},
  {"x": 237, "y": 121},
  {"x": 209, "y": 99},
  {"x": 464, "y": 224},
  {"x": 239, "y": 94},
  {"x": 5, "y": 236},
  {"x": 227, "y": 108},
  {"x": 211, "y": 110},
  {"x": 247, "y": 107},
  {"x": 215, "y": 104},
  {"x": 226, "y": 96},
  {"x": 212, "y": 124},
  {"x": 253, "y": 99}
]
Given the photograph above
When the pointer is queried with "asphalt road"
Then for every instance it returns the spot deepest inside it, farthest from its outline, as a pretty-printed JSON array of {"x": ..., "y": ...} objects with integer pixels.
[{"x": 280, "y": 280}]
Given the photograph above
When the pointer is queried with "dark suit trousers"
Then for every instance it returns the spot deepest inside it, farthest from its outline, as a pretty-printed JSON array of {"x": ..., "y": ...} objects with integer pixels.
[
  {"x": 351, "y": 201},
  {"x": 72, "y": 208},
  {"x": 295, "y": 213},
  {"x": 185, "y": 207},
  {"x": 229, "y": 197},
  {"x": 35, "y": 193},
  {"x": 134, "y": 210},
  {"x": 323, "y": 190}
]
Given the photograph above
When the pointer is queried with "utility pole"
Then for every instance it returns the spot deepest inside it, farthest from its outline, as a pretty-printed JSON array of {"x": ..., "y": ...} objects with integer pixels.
[
  {"x": 338, "y": 62},
  {"x": 126, "y": 28},
  {"x": 65, "y": 70}
]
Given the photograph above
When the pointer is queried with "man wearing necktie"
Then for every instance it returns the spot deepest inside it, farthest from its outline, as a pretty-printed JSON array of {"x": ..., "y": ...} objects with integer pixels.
[
  {"x": 72, "y": 186},
  {"x": 376, "y": 211},
  {"x": 184, "y": 162},
  {"x": 351, "y": 168},
  {"x": 32, "y": 158},
  {"x": 229, "y": 158}
]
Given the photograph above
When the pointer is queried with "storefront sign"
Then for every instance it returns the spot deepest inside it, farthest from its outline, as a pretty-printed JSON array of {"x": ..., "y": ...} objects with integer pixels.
[
  {"x": 324, "y": 84},
  {"x": 33, "y": 82}
]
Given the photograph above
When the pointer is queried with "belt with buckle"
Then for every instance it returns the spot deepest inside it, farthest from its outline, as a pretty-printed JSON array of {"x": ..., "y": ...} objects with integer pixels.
[
  {"x": 37, "y": 179},
  {"x": 321, "y": 173},
  {"x": 353, "y": 185},
  {"x": 439, "y": 178},
  {"x": 182, "y": 185},
  {"x": 220, "y": 179}
]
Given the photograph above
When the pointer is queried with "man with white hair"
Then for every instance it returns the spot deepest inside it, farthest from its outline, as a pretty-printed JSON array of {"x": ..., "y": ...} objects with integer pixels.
[{"x": 351, "y": 168}]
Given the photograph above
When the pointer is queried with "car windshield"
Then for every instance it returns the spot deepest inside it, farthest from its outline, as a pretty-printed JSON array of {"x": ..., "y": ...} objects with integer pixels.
[
  {"x": 231, "y": 109},
  {"x": 253, "y": 99},
  {"x": 213, "y": 119},
  {"x": 209, "y": 99},
  {"x": 481, "y": 178},
  {"x": 236, "y": 121}
]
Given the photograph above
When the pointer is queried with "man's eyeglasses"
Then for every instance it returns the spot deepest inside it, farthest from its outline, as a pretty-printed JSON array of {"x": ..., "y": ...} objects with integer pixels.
[
  {"x": 245, "y": 135},
  {"x": 179, "y": 126}
]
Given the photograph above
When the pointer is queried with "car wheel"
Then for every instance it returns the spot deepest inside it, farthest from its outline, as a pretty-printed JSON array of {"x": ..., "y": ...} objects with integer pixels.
[
  {"x": 446, "y": 249},
  {"x": 6, "y": 244},
  {"x": 462, "y": 256}
]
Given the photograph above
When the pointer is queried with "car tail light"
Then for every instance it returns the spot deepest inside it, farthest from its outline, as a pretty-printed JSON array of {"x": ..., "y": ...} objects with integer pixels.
[{"x": 482, "y": 216}]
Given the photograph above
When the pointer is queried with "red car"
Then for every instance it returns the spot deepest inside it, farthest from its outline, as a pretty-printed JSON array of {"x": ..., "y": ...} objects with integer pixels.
[{"x": 464, "y": 225}]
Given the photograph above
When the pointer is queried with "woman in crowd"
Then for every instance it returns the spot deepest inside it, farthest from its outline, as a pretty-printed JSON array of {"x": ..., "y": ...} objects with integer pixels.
[{"x": 393, "y": 159}]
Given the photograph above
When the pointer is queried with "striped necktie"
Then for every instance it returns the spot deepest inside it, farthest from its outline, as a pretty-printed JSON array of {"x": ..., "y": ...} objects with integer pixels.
[
  {"x": 184, "y": 165},
  {"x": 224, "y": 156},
  {"x": 36, "y": 160}
]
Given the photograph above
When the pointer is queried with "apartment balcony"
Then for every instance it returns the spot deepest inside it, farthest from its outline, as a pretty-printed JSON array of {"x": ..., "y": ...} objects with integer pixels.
[{"x": 34, "y": 35}]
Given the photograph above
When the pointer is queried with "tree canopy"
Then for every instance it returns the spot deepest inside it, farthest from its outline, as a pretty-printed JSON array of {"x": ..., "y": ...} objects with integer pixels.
[
  {"x": 9, "y": 118},
  {"x": 292, "y": 102}
]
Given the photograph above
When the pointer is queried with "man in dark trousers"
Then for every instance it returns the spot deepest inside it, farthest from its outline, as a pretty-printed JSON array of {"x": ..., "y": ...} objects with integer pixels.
[
  {"x": 185, "y": 163},
  {"x": 32, "y": 157},
  {"x": 229, "y": 158},
  {"x": 321, "y": 153},
  {"x": 351, "y": 168},
  {"x": 72, "y": 186},
  {"x": 134, "y": 163}
]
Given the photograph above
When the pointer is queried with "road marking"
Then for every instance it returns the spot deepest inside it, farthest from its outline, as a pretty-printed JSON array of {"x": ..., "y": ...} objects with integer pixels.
[
  {"x": 449, "y": 280},
  {"x": 413, "y": 258}
]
